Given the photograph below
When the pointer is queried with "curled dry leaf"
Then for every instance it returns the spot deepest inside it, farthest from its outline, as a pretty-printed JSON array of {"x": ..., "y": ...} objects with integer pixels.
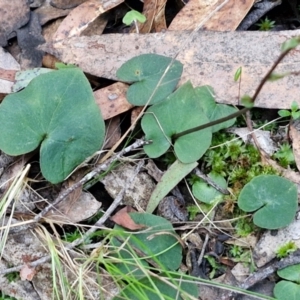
[
  {"x": 160, "y": 20},
  {"x": 123, "y": 218},
  {"x": 211, "y": 15},
  {"x": 84, "y": 206},
  {"x": 154, "y": 10},
  {"x": 83, "y": 15},
  {"x": 113, "y": 132},
  {"x": 263, "y": 137}
]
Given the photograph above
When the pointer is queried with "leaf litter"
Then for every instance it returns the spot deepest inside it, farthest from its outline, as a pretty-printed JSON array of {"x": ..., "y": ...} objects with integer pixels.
[{"x": 102, "y": 55}]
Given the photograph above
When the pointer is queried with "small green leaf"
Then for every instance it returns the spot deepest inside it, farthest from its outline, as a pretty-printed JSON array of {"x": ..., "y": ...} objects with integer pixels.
[
  {"x": 294, "y": 106},
  {"x": 238, "y": 74},
  {"x": 169, "y": 180},
  {"x": 275, "y": 199},
  {"x": 132, "y": 16},
  {"x": 291, "y": 273},
  {"x": 58, "y": 111},
  {"x": 286, "y": 249},
  {"x": 182, "y": 110},
  {"x": 213, "y": 110},
  {"x": 206, "y": 193},
  {"x": 247, "y": 101},
  {"x": 276, "y": 76},
  {"x": 286, "y": 290},
  {"x": 284, "y": 113},
  {"x": 290, "y": 44},
  {"x": 295, "y": 115},
  {"x": 155, "y": 77},
  {"x": 163, "y": 247},
  {"x": 60, "y": 65}
]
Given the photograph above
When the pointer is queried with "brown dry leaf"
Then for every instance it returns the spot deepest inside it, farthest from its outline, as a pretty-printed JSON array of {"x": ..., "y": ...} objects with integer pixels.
[
  {"x": 75, "y": 211},
  {"x": 229, "y": 16},
  {"x": 253, "y": 51},
  {"x": 97, "y": 26},
  {"x": 80, "y": 17},
  {"x": 160, "y": 20},
  {"x": 50, "y": 29},
  {"x": 27, "y": 273},
  {"x": 154, "y": 11},
  {"x": 295, "y": 137},
  {"x": 220, "y": 15},
  {"x": 149, "y": 9},
  {"x": 135, "y": 113},
  {"x": 122, "y": 218},
  {"x": 113, "y": 132},
  {"x": 112, "y": 100},
  {"x": 48, "y": 32}
]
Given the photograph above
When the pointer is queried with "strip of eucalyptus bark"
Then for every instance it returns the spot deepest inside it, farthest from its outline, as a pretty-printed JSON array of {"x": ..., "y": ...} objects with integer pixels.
[{"x": 243, "y": 110}]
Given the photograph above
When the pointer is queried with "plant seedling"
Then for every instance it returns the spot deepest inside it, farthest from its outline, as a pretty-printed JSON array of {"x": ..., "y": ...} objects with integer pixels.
[
  {"x": 236, "y": 251},
  {"x": 214, "y": 265},
  {"x": 294, "y": 113},
  {"x": 285, "y": 155},
  {"x": 133, "y": 16},
  {"x": 286, "y": 249},
  {"x": 244, "y": 227},
  {"x": 266, "y": 24}
]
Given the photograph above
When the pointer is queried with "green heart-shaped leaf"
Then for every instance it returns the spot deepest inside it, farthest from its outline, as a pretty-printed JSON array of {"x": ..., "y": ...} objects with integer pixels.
[
  {"x": 275, "y": 199},
  {"x": 132, "y": 16},
  {"x": 180, "y": 111},
  {"x": 213, "y": 110},
  {"x": 164, "y": 247},
  {"x": 291, "y": 273},
  {"x": 58, "y": 111},
  {"x": 206, "y": 193},
  {"x": 155, "y": 78},
  {"x": 287, "y": 290}
]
